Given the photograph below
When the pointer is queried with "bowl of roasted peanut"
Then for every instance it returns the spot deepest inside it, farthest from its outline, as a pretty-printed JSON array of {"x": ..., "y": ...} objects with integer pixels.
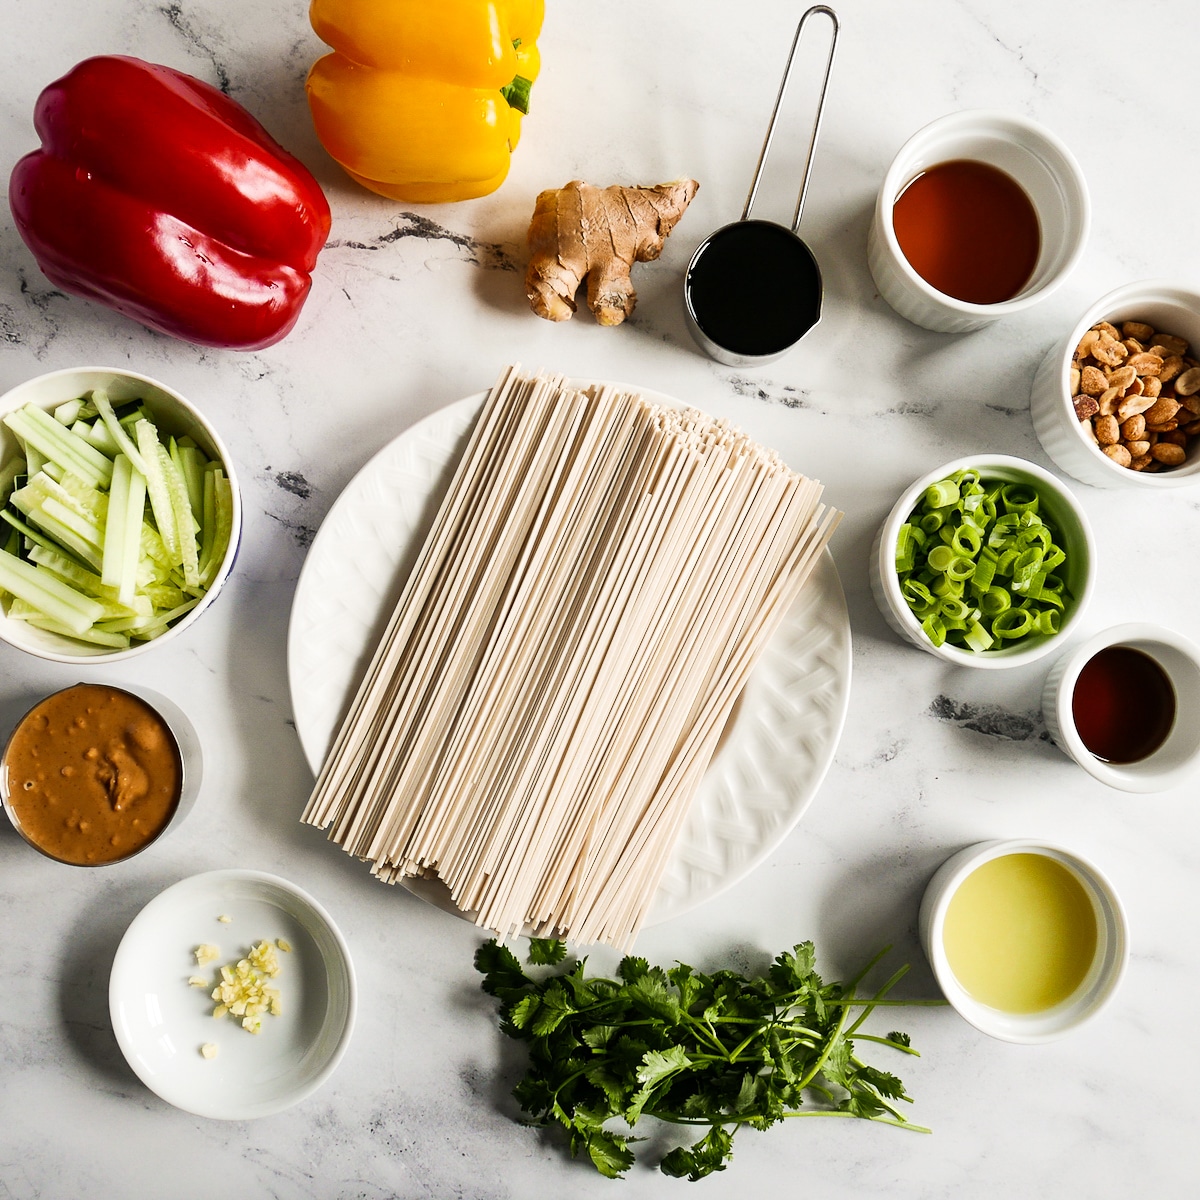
[{"x": 1116, "y": 403}]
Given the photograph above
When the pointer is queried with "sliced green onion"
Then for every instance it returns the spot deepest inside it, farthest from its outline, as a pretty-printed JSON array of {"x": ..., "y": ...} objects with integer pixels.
[
  {"x": 941, "y": 494},
  {"x": 975, "y": 563}
]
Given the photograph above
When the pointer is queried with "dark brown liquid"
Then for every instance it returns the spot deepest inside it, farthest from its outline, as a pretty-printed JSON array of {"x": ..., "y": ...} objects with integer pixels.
[
  {"x": 968, "y": 230},
  {"x": 1123, "y": 705},
  {"x": 754, "y": 288}
]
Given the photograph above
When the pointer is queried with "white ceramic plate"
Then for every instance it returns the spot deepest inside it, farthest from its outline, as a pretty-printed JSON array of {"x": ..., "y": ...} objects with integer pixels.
[
  {"x": 161, "y": 1022},
  {"x": 774, "y": 755}
]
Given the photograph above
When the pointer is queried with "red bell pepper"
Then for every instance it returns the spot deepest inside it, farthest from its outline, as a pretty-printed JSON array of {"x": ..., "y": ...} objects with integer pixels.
[{"x": 162, "y": 198}]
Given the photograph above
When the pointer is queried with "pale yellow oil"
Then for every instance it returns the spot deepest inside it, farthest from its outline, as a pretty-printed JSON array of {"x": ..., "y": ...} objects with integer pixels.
[{"x": 1020, "y": 933}]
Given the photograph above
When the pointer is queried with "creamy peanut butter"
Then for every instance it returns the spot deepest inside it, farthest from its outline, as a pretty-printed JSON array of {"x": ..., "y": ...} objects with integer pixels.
[{"x": 93, "y": 774}]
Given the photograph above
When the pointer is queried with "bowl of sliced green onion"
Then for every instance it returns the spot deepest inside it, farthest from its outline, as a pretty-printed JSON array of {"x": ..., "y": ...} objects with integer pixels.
[
  {"x": 120, "y": 514},
  {"x": 985, "y": 562}
]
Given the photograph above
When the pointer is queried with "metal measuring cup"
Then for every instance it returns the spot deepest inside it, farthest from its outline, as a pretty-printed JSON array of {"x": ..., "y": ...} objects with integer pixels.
[{"x": 753, "y": 288}]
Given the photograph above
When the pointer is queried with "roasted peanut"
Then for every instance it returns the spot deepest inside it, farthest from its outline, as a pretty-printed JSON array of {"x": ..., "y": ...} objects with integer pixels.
[
  {"x": 1135, "y": 329},
  {"x": 1170, "y": 368},
  {"x": 1146, "y": 363},
  {"x": 1172, "y": 344},
  {"x": 1107, "y": 430},
  {"x": 1188, "y": 382},
  {"x": 1133, "y": 427},
  {"x": 1163, "y": 409},
  {"x": 1092, "y": 381},
  {"x": 1109, "y": 351},
  {"x": 1118, "y": 454},
  {"x": 1122, "y": 377},
  {"x": 1168, "y": 453},
  {"x": 1132, "y": 405}
]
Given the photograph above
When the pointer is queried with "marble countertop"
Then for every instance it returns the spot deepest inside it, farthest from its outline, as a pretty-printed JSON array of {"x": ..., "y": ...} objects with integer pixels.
[{"x": 415, "y": 307}]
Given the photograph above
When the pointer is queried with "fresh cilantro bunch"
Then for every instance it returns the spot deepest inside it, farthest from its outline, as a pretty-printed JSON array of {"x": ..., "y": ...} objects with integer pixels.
[{"x": 714, "y": 1051}]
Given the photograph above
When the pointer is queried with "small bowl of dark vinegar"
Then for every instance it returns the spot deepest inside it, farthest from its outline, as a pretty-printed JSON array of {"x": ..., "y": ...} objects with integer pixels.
[
  {"x": 1125, "y": 705},
  {"x": 980, "y": 215}
]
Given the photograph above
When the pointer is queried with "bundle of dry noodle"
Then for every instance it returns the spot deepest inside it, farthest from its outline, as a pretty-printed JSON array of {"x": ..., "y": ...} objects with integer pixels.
[{"x": 597, "y": 586}]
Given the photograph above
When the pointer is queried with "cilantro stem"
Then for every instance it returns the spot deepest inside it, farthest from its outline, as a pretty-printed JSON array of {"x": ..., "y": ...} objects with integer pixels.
[
  {"x": 870, "y": 1037},
  {"x": 729, "y": 1119},
  {"x": 898, "y": 1121},
  {"x": 883, "y": 991},
  {"x": 832, "y": 1040},
  {"x": 890, "y": 1003}
]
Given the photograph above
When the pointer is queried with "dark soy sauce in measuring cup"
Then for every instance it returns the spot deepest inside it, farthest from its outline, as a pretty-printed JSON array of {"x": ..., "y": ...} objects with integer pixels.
[
  {"x": 754, "y": 288},
  {"x": 1123, "y": 705}
]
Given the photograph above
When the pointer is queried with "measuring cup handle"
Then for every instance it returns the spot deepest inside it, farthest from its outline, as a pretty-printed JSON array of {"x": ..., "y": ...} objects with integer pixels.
[{"x": 812, "y": 145}]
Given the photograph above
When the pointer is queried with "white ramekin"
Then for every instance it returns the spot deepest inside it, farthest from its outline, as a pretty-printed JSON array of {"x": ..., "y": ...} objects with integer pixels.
[
  {"x": 1170, "y": 308},
  {"x": 1075, "y": 538},
  {"x": 1036, "y": 159},
  {"x": 176, "y": 416},
  {"x": 1112, "y": 944},
  {"x": 1176, "y": 759}
]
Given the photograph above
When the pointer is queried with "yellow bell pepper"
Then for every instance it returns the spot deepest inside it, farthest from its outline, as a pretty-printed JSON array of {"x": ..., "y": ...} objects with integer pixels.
[{"x": 421, "y": 100}]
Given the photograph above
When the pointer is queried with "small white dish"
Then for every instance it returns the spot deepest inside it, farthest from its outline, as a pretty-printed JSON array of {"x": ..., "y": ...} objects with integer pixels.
[
  {"x": 1170, "y": 308},
  {"x": 1178, "y": 755},
  {"x": 1024, "y": 150},
  {"x": 1074, "y": 536},
  {"x": 1098, "y": 985},
  {"x": 175, "y": 415},
  {"x": 161, "y": 1022}
]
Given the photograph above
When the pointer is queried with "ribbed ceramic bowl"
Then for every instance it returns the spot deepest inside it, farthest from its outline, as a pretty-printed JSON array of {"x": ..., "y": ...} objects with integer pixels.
[
  {"x": 174, "y": 415},
  {"x": 1074, "y": 536},
  {"x": 1170, "y": 308},
  {"x": 1177, "y": 758},
  {"x": 1024, "y": 150},
  {"x": 1093, "y": 993}
]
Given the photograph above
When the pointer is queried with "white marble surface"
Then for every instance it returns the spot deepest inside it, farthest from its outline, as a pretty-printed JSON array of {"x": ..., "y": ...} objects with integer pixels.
[{"x": 412, "y": 309}]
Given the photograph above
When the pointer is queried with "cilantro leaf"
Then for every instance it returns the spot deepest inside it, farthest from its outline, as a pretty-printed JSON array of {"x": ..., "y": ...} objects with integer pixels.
[
  {"x": 545, "y": 952},
  {"x": 610, "y": 1153},
  {"x": 711, "y": 1153}
]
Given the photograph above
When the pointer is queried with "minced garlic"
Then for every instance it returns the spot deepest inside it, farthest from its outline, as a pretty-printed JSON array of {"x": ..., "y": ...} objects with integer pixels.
[
  {"x": 284, "y": 945},
  {"x": 197, "y": 981},
  {"x": 206, "y": 953},
  {"x": 209, "y": 1050},
  {"x": 224, "y": 918},
  {"x": 244, "y": 991}
]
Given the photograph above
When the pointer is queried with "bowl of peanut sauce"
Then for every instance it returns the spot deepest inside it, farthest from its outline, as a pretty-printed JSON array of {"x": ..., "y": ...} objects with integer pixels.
[{"x": 94, "y": 774}]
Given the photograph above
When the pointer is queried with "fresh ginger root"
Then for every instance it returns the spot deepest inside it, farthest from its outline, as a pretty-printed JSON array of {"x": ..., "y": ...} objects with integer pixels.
[{"x": 580, "y": 231}]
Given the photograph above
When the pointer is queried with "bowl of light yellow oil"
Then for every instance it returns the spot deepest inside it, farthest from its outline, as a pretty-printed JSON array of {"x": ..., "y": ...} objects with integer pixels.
[{"x": 1026, "y": 939}]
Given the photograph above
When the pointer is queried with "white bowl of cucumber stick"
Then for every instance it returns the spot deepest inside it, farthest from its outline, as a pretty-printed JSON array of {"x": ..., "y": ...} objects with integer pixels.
[{"x": 120, "y": 515}]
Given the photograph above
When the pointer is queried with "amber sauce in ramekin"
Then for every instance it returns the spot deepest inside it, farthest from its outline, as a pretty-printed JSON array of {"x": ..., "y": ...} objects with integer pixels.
[{"x": 91, "y": 775}]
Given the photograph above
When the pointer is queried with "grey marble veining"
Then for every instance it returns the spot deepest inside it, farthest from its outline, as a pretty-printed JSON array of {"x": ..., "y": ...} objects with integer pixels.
[{"x": 415, "y": 307}]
